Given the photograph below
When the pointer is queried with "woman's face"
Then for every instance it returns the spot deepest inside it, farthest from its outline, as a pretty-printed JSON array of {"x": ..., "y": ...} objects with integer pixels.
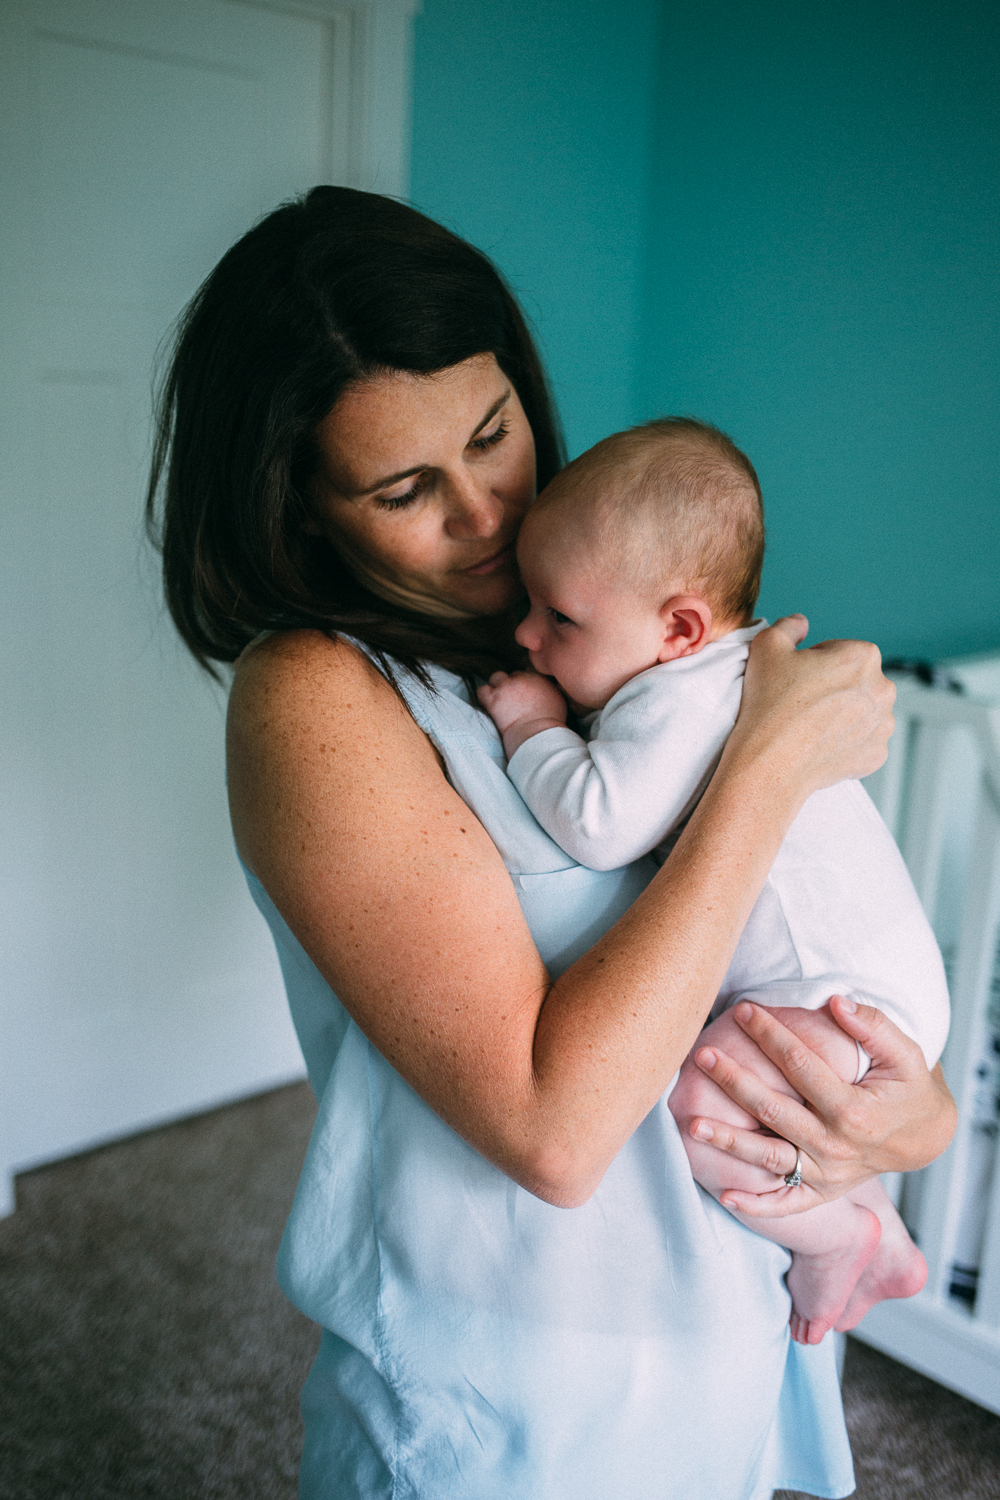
[{"x": 424, "y": 480}]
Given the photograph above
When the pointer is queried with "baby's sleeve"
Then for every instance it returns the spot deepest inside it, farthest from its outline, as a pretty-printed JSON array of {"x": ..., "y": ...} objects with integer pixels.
[{"x": 611, "y": 800}]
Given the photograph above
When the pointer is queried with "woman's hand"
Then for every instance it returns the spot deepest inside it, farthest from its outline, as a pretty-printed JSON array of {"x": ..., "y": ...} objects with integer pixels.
[
  {"x": 898, "y": 1118},
  {"x": 825, "y": 713}
]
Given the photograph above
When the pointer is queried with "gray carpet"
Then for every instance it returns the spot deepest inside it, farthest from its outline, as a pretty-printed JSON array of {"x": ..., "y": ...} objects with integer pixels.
[{"x": 145, "y": 1350}]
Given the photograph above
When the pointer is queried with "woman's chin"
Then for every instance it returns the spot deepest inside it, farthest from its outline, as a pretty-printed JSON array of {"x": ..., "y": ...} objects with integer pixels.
[{"x": 493, "y": 595}]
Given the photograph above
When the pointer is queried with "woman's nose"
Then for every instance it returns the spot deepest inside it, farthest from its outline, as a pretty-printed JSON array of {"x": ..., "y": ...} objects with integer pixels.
[{"x": 475, "y": 510}]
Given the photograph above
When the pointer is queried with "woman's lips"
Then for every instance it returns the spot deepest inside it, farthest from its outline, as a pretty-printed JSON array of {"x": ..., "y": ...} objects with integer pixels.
[{"x": 492, "y": 564}]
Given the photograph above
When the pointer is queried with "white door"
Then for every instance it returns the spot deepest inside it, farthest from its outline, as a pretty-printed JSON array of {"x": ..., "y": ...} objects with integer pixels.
[{"x": 139, "y": 139}]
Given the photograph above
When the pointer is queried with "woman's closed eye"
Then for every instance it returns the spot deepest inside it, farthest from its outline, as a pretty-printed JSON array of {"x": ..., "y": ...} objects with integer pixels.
[
  {"x": 423, "y": 481},
  {"x": 396, "y": 502},
  {"x": 490, "y": 439}
]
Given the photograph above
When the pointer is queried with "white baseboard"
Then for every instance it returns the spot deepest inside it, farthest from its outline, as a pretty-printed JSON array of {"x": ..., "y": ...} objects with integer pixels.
[
  {"x": 941, "y": 1341},
  {"x": 9, "y": 1171}
]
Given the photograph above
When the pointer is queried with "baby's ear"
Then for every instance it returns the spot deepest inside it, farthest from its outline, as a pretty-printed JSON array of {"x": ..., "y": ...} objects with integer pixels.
[{"x": 687, "y": 626}]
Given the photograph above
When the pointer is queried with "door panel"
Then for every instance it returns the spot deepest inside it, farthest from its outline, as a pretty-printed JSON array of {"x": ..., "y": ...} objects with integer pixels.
[{"x": 140, "y": 141}]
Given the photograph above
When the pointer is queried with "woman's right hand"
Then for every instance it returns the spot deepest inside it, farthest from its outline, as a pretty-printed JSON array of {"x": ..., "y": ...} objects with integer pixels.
[
  {"x": 820, "y": 715},
  {"x": 897, "y": 1119}
]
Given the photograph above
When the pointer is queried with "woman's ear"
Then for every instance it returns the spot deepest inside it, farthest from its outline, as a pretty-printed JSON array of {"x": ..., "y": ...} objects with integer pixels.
[{"x": 687, "y": 626}]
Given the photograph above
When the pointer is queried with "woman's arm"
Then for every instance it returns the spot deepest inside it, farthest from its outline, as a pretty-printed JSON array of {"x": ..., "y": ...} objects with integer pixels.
[
  {"x": 400, "y": 898},
  {"x": 898, "y": 1118}
]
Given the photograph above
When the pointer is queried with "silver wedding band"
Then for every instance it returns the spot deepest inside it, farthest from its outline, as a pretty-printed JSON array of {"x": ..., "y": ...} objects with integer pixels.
[{"x": 794, "y": 1177}]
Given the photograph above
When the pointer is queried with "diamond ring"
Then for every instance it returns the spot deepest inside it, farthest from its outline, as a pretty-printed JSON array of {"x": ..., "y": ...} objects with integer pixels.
[{"x": 794, "y": 1177}]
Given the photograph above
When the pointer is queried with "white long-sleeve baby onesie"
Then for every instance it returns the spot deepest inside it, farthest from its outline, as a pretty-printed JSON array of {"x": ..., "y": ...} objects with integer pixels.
[{"x": 838, "y": 913}]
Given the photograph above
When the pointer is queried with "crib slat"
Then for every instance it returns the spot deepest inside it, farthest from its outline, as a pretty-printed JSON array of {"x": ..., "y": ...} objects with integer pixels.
[
  {"x": 987, "y": 1309},
  {"x": 932, "y": 1331},
  {"x": 885, "y": 786},
  {"x": 923, "y": 833},
  {"x": 941, "y": 1197}
]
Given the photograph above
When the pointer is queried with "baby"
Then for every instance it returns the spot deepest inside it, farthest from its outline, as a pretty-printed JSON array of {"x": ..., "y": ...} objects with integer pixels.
[{"x": 642, "y": 563}]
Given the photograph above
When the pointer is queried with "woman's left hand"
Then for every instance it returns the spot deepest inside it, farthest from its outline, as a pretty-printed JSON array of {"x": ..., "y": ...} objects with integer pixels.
[{"x": 898, "y": 1118}]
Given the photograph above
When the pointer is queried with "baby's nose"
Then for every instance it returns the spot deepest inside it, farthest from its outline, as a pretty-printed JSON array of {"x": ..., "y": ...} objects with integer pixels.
[{"x": 527, "y": 634}]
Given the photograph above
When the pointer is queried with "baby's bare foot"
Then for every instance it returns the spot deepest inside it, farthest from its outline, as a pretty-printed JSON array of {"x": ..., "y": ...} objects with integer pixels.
[
  {"x": 897, "y": 1269},
  {"x": 821, "y": 1285}
]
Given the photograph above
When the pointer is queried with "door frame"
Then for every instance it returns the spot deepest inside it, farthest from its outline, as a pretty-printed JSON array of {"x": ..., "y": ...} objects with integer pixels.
[{"x": 372, "y": 103}]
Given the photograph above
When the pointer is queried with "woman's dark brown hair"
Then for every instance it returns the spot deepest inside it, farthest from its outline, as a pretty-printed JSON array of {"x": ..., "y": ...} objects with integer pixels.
[{"x": 336, "y": 287}]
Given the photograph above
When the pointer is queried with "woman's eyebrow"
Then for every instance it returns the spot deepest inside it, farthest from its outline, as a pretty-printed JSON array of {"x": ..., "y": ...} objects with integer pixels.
[{"x": 380, "y": 484}]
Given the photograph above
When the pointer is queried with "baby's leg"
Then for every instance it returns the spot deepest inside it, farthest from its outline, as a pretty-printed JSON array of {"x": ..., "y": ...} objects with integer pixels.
[
  {"x": 831, "y": 1244},
  {"x": 897, "y": 1269},
  {"x": 696, "y": 1095}
]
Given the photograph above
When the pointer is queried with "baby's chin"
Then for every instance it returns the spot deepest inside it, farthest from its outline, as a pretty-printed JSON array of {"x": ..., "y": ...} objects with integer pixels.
[{"x": 580, "y": 709}]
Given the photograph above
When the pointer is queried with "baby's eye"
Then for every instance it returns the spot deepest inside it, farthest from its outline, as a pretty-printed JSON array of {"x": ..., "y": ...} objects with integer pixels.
[{"x": 558, "y": 618}]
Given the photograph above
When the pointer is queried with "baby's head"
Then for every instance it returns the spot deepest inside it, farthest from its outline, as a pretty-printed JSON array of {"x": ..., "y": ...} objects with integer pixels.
[{"x": 644, "y": 549}]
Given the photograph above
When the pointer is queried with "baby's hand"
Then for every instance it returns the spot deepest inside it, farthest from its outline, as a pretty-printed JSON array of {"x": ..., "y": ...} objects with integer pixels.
[{"x": 522, "y": 704}]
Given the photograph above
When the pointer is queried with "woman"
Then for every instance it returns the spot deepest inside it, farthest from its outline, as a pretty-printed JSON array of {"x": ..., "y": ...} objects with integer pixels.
[{"x": 522, "y": 1291}]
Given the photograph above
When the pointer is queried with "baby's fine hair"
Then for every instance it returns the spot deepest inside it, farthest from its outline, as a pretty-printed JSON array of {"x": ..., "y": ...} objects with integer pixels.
[{"x": 676, "y": 500}]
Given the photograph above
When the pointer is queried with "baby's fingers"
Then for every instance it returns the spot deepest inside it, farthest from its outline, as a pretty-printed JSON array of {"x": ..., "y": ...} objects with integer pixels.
[{"x": 487, "y": 694}]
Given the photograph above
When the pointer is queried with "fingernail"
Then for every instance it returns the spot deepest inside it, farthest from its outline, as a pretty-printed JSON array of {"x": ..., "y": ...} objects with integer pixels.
[
  {"x": 849, "y": 1005},
  {"x": 744, "y": 1011},
  {"x": 706, "y": 1058},
  {"x": 702, "y": 1132}
]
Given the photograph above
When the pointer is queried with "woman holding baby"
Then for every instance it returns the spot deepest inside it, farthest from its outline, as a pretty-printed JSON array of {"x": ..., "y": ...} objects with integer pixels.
[{"x": 521, "y": 1289}]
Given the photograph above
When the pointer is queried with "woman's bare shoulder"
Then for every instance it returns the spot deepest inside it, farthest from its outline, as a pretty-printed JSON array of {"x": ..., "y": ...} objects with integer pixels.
[
  {"x": 299, "y": 667},
  {"x": 290, "y": 686},
  {"x": 305, "y": 712},
  {"x": 391, "y": 885}
]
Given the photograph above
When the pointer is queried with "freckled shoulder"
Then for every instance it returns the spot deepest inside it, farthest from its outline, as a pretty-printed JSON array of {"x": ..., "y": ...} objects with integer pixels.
[
  {"x": 307, "y": 714},
  {"x": 305, "y": 673}
]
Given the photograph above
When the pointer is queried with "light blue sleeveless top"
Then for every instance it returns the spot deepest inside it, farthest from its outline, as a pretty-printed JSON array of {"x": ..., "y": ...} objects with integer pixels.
[{"x": 480, "y": 1344}]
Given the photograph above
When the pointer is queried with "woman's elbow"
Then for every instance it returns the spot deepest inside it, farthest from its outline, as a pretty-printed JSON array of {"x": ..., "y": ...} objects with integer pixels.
[{"x": 561, "y": 1176}]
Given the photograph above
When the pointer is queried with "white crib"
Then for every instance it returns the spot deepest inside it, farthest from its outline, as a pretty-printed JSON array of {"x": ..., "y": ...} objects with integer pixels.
[{"x": 940, "y": 794}]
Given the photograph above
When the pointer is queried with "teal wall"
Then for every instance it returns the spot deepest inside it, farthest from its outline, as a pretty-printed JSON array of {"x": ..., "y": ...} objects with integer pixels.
[
  {"x": 824, "y": 286},
  {"x": 785, "y": 221},
  {"x": 532, "y": 134}
]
